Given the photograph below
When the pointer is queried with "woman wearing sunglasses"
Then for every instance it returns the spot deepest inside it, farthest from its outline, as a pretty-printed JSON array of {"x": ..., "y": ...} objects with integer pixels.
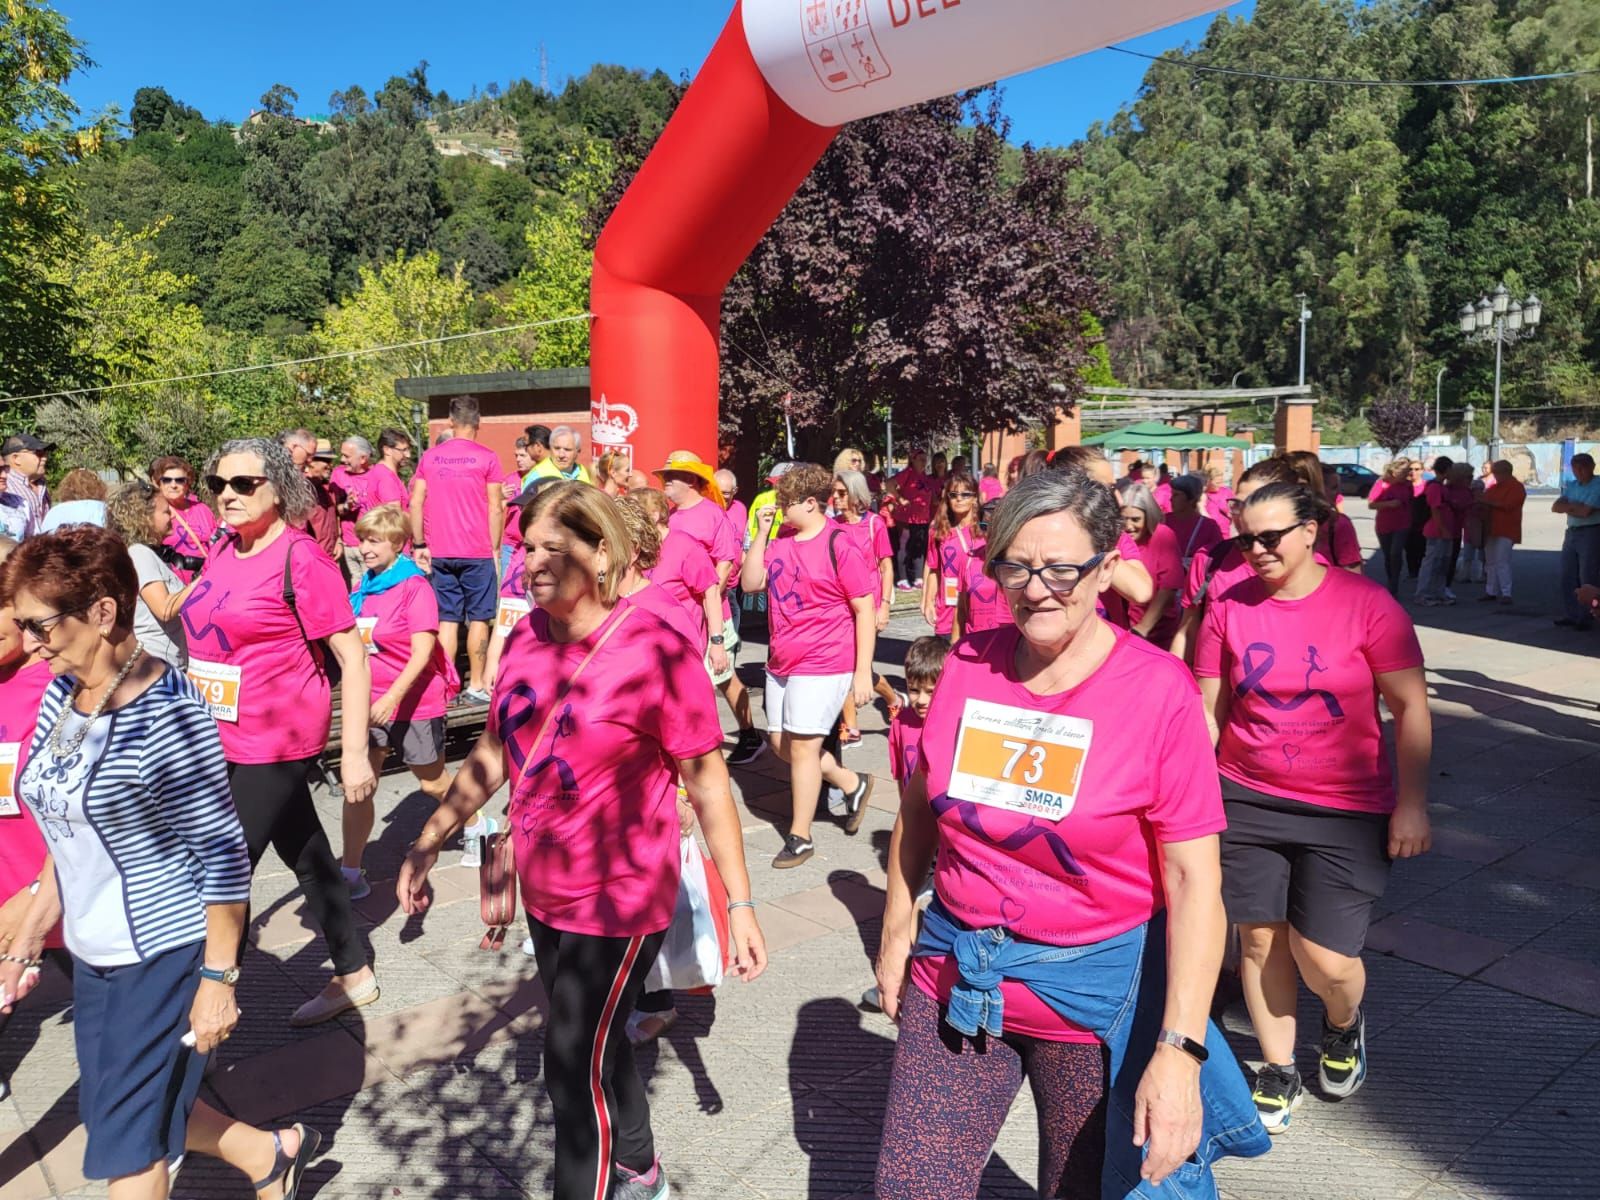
[
  {"x": 1063, "y": 816},
  {"x": 268, "y": 612},
  {"x": 148, "y": 868},
  {"x": 194, "y": 525},
  {"x": 1291, "y": 663},
  {"x": 953, "y": 538}
]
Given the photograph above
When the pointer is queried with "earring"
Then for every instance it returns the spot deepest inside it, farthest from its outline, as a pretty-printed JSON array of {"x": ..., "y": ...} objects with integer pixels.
[{"x": 600, "y": 577}]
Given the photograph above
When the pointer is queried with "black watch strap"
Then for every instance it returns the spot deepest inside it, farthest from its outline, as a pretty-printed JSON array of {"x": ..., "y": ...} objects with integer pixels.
[{"x": 1195, "y": 1050}]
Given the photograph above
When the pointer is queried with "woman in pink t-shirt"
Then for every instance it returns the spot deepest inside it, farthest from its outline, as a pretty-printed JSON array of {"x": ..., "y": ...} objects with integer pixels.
[
  {"x": 397, "y": 617},
  {"x": 600, "y": 706},
  {"x": 1218, "y": 494},
  {"x": 1062, "y": 815},
  {"x": 953, "y": 538},
  {"x": 852, "y": 504},
  {"x": 194, "y": 525},
  {"x": 260, "y": 662},
  {"x": 1390, "y": 500},
  {"x": 1292, "y": 663},
  {"x": 1336, "y": 537},
  {"x": 1157, "y": 548},
  {"x": 1194, "y": 530}
]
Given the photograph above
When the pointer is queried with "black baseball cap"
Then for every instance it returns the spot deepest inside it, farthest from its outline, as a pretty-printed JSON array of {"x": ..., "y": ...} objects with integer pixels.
[
  {"x": 526, "y": 495},
  {"x": 18, "y": 442}
]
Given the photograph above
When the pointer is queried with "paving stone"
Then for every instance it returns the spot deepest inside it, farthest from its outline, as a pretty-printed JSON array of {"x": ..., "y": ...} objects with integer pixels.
[
  {"x": 1521, "y": 1162},
  {"x": 1435, "y": 945},
  {"x": 1549, "y": 977},
  {"x": 1497, "y": 903}
]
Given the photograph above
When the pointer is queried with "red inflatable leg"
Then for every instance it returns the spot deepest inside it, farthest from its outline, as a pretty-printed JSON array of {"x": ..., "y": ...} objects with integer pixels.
[{"x": 721, "y": 172}]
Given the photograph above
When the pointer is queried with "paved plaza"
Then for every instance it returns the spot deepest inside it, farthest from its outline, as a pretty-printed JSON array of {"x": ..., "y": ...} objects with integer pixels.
[{"x": 1483, "y": 1013}]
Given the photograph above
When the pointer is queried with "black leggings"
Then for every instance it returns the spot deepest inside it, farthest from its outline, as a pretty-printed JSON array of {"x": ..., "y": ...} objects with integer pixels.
[
  {"x": 1392, "y": 546},
  {"x": 913, "y": 552},
  {"x": 592, "y": 983},
  {"x": 274, "y": 805}
]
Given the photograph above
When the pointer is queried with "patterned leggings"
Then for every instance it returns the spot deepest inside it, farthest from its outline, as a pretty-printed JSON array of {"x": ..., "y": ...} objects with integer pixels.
[{"x": 949, "y": 1096}]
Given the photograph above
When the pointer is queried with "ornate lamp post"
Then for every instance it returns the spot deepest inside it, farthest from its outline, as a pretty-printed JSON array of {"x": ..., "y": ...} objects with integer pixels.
[{"x": 1499, "y": 319}]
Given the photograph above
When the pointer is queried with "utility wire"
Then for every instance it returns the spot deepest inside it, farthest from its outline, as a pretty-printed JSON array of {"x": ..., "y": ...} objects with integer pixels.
[
  {"x": 298, "y": 362},
  {"x": 1336, "y": 82}
]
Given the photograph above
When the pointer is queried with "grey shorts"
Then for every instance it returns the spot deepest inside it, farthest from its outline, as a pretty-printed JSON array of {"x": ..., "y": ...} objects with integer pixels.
[{"x": 421, "y": 743}]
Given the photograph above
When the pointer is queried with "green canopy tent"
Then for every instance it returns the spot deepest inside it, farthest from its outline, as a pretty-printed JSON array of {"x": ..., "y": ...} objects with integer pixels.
[{"x": 1153, "y": 435}]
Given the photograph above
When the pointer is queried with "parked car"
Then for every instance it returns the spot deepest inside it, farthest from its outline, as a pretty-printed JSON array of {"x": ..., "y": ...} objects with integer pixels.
[{"x": 1355, "y": 480}]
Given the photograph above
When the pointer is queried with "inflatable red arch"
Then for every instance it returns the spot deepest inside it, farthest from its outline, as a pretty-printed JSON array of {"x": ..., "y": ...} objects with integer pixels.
[{"x": 780, "y": 81}]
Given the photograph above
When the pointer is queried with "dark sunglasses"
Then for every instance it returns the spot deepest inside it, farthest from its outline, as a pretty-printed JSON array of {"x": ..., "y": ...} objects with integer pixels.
[
  {"x": 242, "y": 485},
  {"x": 1269, "y": 539},
  {"x": 40, "y": 628},
  {"x": 184, "y": 479},
  {"x": 1060, "y": 578},
  {"x": 963, "y": 495}
]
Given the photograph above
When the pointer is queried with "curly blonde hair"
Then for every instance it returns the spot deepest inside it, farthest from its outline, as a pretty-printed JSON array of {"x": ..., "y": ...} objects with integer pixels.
[{"x": 130, "y": 513}]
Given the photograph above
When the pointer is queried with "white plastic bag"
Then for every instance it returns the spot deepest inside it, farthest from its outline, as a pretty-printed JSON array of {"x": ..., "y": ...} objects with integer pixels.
[{"x": 691, "y": 955}]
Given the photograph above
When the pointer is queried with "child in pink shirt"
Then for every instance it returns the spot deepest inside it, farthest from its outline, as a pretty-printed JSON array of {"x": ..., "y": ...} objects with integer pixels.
[{"x": 822, "y": 627}]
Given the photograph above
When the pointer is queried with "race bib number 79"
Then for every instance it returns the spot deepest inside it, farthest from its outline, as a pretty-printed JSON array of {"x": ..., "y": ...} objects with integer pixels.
[
  {"x": 1022, "y": 761},
  {"x": 218, "y": 684}
]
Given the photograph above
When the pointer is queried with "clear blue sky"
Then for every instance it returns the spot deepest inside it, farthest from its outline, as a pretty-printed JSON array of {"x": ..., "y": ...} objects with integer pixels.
[{"x": 221, "y": 57}]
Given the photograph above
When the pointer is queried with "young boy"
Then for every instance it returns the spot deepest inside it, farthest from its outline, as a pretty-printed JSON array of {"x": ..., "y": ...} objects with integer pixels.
[
  {"x": 924, "y": 664},
  {"x": 822, "y": 629}
]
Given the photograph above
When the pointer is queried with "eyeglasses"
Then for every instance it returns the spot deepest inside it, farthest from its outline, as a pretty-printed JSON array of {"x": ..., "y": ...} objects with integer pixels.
[
  {"x": 40, "y": 628},
  {"x": 1060, "y": 578},
  {"x": 1269, "y": 539},
  {"x": 840, "y": 492},
  {"x": 175, "y": 479},
  {"x": 242, "y": 485},
  {"x": 963, "y": 495}
]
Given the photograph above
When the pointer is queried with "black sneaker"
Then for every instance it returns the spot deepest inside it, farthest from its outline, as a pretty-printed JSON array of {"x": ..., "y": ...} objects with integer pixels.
[
  {"x": 1344, "y": 1057},
  {"x": 855, "y": 803},
  {"x": 1278, "y": 1092},
  {"x": 796, "y": 850},
  {"x": 749, "y": 747}
]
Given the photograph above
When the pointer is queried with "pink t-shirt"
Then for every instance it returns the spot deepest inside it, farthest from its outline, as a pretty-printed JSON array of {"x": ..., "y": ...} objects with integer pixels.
[
  {"x": 811, "y": 623},
  {"x": 1340, "y": 533},
  {"x": 1110, "y": 603},
  {"x": 514, "y": 582},
  {"x": 22, "y": 848},
  {"x": 397, "y": 486},
  {"x": 1194, "y": 532},
  {"x": 905, "y": 744},
  {"x": 1162, "y": 492},
  {"x": 947, "y": 559},
  {"x": 871, "y": 536},
  {"x": 369, "y": 489},
  {"x": 1163, "y": 558},
  {"x": 258, "y": 675},
  {"x": 1454, "y": 502},
  {"x": 1217, "y": 508},
  {"x": 594, "y": 817},
  {"x": 691, "y": 626},
  {"x": 738, "y": 520},
  {"x": 987, "y": 606},
  {"x": 1303, "y": 711},
  {"x": 685, "y": 573},
  {"x": 709, "y": 525},
  {"x": 1392, "y": 520},
  {"x": 401, "y": 611},
  {"x": 191, "y": 533},
  {"x": 917, "y": 493},
  {"x": 455, "y": 507},
  {"x": 511, "y": 485},
  {"x": 1143, "y": 774},
  {"x": 990, "y": 489}
]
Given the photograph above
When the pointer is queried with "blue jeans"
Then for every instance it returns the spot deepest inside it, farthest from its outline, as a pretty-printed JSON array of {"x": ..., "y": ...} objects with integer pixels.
[
  {"x": 1117, "y": 988},
  {"x": 1431, "y": 580},
  {"x": 1580, "y": 564}
]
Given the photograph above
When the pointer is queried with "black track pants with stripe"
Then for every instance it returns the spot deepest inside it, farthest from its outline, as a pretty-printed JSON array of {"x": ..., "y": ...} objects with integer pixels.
[{"x": 602, "y": 1114}]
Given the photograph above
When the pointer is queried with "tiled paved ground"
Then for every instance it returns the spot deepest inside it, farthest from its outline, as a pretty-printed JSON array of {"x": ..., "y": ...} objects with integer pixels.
[{"x": 1484, "y": 1008}]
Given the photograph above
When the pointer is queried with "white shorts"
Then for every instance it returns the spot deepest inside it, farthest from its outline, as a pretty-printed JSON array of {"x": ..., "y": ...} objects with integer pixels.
[
  {"x": 731, "y": 645},
  {"x": 806, "y": 705}
]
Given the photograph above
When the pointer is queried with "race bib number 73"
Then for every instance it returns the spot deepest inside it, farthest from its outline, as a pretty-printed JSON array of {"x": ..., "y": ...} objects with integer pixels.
[{"x": 1023, "y": 761}]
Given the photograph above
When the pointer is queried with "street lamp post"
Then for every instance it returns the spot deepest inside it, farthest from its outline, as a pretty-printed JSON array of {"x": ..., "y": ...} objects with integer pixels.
[
  {"x": 1438, "y": 409},
  {"x": 1305, "y": 317},
  {"x": 1499, "y": 319}
]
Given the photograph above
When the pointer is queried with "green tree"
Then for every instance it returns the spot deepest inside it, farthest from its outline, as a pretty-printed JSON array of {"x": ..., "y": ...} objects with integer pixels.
[{"x": 265, "y": 283}]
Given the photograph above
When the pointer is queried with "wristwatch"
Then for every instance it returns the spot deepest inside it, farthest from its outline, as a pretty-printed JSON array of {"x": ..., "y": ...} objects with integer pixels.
[
  {"x": 230, "y": 976},
  {"x": 716, "y": 639},
  {"x": 419, "y": 545},
  {"x": 1195, "y": 1050}
]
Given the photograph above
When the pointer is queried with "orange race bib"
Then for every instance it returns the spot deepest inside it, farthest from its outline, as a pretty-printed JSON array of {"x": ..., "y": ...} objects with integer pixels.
[
  {"x": 365, "y": 626},
  {"x": 1022, "y": 761},
  {"x": 219, "y": 685},
  {"x": 10, "y": 752},
  {"x": 952, "y": 591},
  {"x": 511, "y": 611}
]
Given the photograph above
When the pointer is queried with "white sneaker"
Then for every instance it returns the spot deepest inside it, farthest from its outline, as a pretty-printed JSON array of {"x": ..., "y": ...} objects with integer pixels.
[
  {"x": 527, "y": 947},
  {"x": 1449, "y": 595},
  {"x": 473, "y": 839}
]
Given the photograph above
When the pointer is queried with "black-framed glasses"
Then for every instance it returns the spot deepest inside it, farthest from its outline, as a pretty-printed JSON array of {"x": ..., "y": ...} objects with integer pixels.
[
  {"x": 174, "y": 479},
  {"x": 1269, "y": 538},
  {"x": 242, "y": 485},
  {"x": 40, "y": 628},
  {"x": 1060, "y": 578}
]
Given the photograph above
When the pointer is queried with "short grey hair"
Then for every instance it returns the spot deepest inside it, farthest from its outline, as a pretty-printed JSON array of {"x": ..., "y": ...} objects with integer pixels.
[
  {"x": 295, "y": 497},
  {"x": 726, "y": 480},
  {"x": 569, "y": 431},
  {"x": 855, "y": 483},
  {"x": 362, "y": 446},
  {"x": 1044, "y": 495},
  {"x": 302, "y": 436},
  {"x": 1137, "y": 495}
]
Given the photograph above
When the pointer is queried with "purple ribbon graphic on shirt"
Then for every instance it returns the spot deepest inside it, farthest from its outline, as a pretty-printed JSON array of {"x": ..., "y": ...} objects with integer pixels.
[
  {"x": 1256, "y": 670},
  {"x": 210, "y": 628},
  {"x": 517, "y": 708},
  {"x": 785, "y": 595},
  {"x": 1016, "y": 839}
]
